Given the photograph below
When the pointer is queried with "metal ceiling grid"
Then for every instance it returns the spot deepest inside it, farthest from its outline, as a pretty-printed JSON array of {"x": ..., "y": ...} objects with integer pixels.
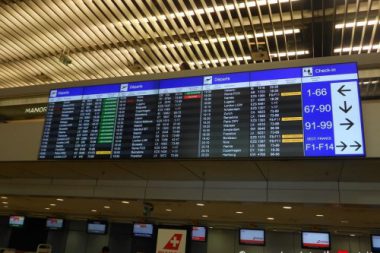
[{"x": 123, "y": 38}]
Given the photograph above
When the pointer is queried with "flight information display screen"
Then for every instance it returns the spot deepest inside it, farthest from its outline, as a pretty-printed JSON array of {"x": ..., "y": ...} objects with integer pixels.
[{"x": 295, "y": 112}]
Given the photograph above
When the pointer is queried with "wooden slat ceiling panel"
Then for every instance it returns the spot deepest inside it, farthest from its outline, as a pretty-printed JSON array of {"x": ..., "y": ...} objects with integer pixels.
[{"x": 124, "y": 38}]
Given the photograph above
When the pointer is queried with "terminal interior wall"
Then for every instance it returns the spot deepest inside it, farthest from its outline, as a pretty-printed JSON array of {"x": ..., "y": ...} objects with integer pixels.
[{"x": 75, "y": 239}]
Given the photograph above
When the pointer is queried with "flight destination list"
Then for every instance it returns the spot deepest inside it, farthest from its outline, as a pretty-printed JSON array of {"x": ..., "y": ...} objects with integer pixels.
[{"x": 294, "y": 112}]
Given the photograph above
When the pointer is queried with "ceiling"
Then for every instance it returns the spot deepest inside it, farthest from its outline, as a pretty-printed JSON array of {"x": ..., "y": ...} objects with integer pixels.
[
  {"x": 342, "y": 218},
  {"x": 105, "y": 39}
]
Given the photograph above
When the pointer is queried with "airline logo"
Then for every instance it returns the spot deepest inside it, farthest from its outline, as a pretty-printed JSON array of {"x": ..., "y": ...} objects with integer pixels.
[
  {"x": 171, "y": 240},
  {"x": 53, "y": 221},
  {"x": 317, "y": 244},
  {"x": 174, "y": 242}
]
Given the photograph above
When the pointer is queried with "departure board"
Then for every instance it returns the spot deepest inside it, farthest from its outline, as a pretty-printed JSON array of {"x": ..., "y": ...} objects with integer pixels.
[{"x": 295, "y": 112}]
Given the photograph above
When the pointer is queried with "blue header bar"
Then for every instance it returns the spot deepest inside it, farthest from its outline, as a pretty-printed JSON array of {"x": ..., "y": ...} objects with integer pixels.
[
  {"x": 101, "y": 89},
  {"x": 335, "y": 69},
  {"x": 226, "y": 78},
  {"x": 181, "y": 82},
  {"x": 66, "y": 92},
  {"x": 140, "y": 86},
  {"x": 276, "y": 74}
]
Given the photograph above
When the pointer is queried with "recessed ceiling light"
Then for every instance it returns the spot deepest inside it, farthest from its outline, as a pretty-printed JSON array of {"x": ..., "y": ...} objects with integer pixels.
[
  {"x": 287, "y": 207},
  {"x": 52, "y": 204},
  {"x": 239, "y": 212},
  {"x": 4, "y": 197},
  {"x": 168, "y": 210},
  {"x": 319, "y": 215},
  {"x": 125, "y": 202},
  {"x": 270, "y": 218},
  {"x": 210, "y": 227},
  {"x": 204, "y": 216},
  {"x": 344, "y": 221},
  {"x": 352, "y": 235},
  {"x": 107, "y": 207},
  {"x": 94, "y": 210},
  {"x": 47, "y": 208},
  {"x": 5, "y": 202},
  {"x": 200, "y": 204},
  {"x": 61, "y": 200}
]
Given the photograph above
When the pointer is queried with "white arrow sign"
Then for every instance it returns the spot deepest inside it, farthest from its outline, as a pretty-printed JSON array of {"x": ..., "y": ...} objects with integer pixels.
[{"x": 348, "y": 132}]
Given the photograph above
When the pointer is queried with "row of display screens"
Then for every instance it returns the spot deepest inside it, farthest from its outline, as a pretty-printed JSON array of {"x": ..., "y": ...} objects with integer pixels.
[{"x": 312, "y": 240}]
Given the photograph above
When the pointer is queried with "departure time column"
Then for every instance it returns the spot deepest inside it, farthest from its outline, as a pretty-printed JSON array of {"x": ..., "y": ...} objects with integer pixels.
[{"x": 178, "y": 118}]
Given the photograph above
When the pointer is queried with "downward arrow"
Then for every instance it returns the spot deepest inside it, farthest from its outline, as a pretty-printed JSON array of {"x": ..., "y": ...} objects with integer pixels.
[
  {"x": 343, "y": 146},
  {"x": 341, "y": 90},
  {"x": 357, "y": 146},
  {"x": 345, "y": 109},
  {"x": 349, "y": 123}
]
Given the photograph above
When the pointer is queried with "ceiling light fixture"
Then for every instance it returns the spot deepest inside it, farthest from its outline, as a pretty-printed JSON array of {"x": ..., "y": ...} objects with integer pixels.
[
  {"x": 4, "y": 197},
  {"x": 370, "y": 82},
  {"x": 168, "y": 210},
  {"x": 216, "y": 61},
  {"x": 287, "y": 207},
  {"x": 239, "y": 212},
  {"x": 210, "y": 227},
  {"x": 204, "y": 216},
  {"x": 290, "y": 53},
  {"x": 125, "y": 202},
  {"x": 52, "y": 204},
  {"x": 200, "y": 204},
  {"x": 94, "y": 210},
  {"x": 5, "y": 202},
  {"x": 357, "y": 24},
  {"x": 60, "y": 200},
  {"x": 47, "y": 208},
  {"x": 107, "y": 207},
  {"x": 270, "y": 218},
  {"x": 352, "y": 235},
  {"x": 218, "y": 8},
  {"x": 357, "y": 48},
  {"x": 5, "y": 206},
  {"x": 344, "y": 221},
  {"x": 319, "y": 215},
  {"x": 230, "y": 38}
]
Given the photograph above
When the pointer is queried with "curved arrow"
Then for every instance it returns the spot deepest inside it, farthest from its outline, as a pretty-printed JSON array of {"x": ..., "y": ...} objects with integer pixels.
[
  {"x": 341, "y": 90},
  {"x": 357, "y": 146},
  {"x": 349, "y": 124},
  {"x": 343, "y": 146}
]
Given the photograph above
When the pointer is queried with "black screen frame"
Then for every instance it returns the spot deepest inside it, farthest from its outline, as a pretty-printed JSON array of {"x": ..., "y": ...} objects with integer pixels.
[
  {"x": 248, "y": 158},
  {"x": 252, "y": 244},
  {"x": 373, "y": 249},
  {"x": 320, "y": 232},
  {"x": 104, "y": 222},
  {"x": 206, "y": 234},
  {"x": 138, "y": 235},
  {"x": 16, "y": 226},
  {"x": 55, "y": 228}
]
